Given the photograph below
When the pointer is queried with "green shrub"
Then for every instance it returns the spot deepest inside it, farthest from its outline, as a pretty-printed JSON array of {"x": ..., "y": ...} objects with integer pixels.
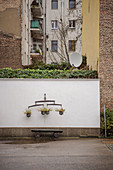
[
  {"x": 59, "y": 66},
  {"x": 47, "y": 74},
  {"x": 42, "y": 66},
  {"x": 62, "y": 66},
  {"x": 109, "y": 122}
]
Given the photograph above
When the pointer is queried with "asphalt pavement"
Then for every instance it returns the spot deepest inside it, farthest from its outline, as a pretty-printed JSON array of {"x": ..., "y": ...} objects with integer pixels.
[{"x": 78, "y": 154}]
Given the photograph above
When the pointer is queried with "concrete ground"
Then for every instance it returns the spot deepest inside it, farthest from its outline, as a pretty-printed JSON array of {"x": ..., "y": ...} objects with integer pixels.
[{"x": 78, "y": 154}]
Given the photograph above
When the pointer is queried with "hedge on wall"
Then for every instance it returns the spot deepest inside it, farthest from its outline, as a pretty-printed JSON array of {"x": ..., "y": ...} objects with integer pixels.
[
  {"x": 57, "y": 66},
  {"x": 47, "y": 74}
]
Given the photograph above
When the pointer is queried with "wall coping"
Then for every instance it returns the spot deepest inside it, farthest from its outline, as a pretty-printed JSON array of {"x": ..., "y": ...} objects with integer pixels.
[{"x": 16, "y": 79}]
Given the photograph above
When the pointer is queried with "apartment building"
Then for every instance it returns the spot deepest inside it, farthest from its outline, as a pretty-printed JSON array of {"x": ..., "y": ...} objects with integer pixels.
[
  {"x": 63, "y": 28},
  {"x": 51, "y": 30},
  {"x": 32, "y": 31}
]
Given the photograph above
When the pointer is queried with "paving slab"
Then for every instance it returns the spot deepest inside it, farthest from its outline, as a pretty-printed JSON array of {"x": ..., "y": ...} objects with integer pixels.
[{"x": 80, "y": 154}]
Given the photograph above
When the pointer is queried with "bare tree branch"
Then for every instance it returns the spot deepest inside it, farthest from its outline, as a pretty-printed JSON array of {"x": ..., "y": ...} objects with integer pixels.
[{"x": 62, "y": 34}]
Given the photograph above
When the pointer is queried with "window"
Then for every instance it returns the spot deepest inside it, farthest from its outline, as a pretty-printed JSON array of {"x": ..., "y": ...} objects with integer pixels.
[
  {"x": 54, "y": 4},
  {"x": 71, "y": 45},
  {"x": 34, "y": 46},
  {"x": 54, "y": 46},
  {"x": 71, "y": 23},
  {"x": 72, "y": 4},
  {"x": 54, "y": 24}
]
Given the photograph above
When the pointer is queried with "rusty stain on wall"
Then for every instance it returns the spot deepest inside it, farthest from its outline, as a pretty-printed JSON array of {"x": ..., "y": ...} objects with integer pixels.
[{"x": 89, "y": 7}]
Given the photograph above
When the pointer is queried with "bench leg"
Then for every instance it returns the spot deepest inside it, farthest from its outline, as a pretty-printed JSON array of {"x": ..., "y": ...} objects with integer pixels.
[
  {"x": 37, "y": 134},
  {"x": 56, "y": 135}
]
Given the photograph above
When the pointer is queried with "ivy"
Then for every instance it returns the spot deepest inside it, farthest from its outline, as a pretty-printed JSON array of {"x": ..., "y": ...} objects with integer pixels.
[
  {"x": 56, "y": 66},
  {"x": 109, "y": 122},
  {"x": 47, "y": 74}
]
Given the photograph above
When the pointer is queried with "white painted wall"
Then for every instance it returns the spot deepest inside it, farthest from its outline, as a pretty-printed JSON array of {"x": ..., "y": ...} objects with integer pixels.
[{"x": 80, "y": 98}]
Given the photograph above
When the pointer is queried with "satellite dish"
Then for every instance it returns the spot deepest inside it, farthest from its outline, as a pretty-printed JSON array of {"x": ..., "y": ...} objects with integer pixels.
[{"x": 75, "y": 59}]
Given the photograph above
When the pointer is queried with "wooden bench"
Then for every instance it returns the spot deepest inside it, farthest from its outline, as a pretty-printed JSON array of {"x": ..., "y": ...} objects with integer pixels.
[{"x": 39, "y": 131}]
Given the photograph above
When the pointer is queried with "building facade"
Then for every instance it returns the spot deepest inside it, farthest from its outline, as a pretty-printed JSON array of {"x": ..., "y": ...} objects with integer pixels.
[
  {"x": 63, "y": 29},
  {"x": 32, "y": 31},
  {"x": 106, "y": 53},
  {"x": 52, "y": 29},
  {"x": 90, "y": 32},
  {"x": 35, "y": 28}
]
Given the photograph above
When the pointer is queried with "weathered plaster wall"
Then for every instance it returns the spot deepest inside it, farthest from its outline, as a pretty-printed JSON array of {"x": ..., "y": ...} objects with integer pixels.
[
  {"x": 90, "y": 32},
  {"x": 10, "y": 21},
  {"x": 9, "y": 4},
  {"x": 106, "y": 53},
  {"x": 10, "y": 33}
]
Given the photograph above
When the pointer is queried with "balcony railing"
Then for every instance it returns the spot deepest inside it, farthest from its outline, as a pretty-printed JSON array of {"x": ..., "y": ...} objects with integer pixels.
[
  {"x": 36, "y": 29},
  {"x": 35, "y": 24},
  {"x": 36, "y": 32},
  {"x": 36, "y": 9},
  {"x": 35, "y": 58}
]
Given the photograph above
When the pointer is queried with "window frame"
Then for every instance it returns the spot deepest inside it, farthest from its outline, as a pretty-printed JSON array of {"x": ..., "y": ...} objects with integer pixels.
[
  {"x": 74, "y": 45},
  {"x": 52, "y": 4},
  {"x": 74, "y": 24},
  {"x": 34, "y": 46},
  {"x": 54, "y": 44},
  {"x": 55, "y": 23},
  {"x": 70, "y": 4}
]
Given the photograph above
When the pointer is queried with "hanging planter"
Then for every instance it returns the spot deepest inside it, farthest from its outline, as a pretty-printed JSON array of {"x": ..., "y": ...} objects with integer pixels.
[
  {"x": 45, "y": 111},
  {"x": 61, "y": 111},
  {"x": 28, "y": 113},
  {"x": 42, "y": 112}
]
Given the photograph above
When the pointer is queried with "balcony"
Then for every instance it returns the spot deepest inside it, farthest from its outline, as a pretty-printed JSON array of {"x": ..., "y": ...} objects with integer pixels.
[
  {"x": 36, "y": 10},
  {"x": 35, "y": 57},
  {"x": 36, "y": 30},
  {"x": 36, "y": 33},
  {"x": 35, "y": 24}
]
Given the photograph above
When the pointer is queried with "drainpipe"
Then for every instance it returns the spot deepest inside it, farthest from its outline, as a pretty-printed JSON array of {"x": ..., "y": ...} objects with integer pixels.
[
  {"x": 28, "y": 32},
  {"x": 105, "y": 121},
  {"x": 61, "y": 25},
  {"x": 62, "y": 8},
  {"x": 45, "y": 33}
]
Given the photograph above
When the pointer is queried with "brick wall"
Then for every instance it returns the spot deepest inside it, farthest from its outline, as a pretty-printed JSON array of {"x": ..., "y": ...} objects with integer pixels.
[
  {"x": 106, "y": 54},
  {"x": 10, "y": 51},
  {"x": 10, "y": 34}
]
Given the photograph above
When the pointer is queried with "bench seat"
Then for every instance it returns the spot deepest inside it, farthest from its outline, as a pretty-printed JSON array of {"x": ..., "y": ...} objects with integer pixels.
[{"x": 39, "y": 131}]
